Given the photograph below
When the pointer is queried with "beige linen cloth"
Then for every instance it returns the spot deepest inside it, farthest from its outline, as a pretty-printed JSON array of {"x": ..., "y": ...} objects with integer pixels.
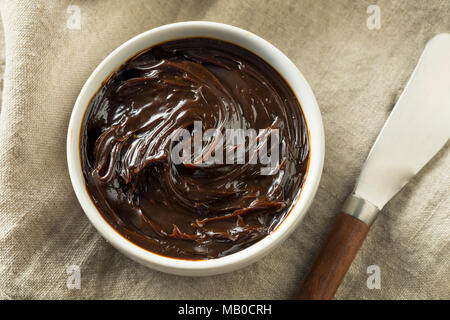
[{"x": 357, "y": 75}]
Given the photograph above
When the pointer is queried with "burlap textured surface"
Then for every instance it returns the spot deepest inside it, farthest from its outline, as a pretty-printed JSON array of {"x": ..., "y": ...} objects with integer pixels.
[{"x": 356, "y": 74}]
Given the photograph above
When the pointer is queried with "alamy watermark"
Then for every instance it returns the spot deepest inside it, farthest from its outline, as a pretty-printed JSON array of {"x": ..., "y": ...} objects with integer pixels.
[
  {"x": 73, "y": 17},
  {"x": 74, "y": 277},
  {"x": 374, "y": 20},
  {"x": 374, "y": 280},
  {"x": 234, "y": 146}
]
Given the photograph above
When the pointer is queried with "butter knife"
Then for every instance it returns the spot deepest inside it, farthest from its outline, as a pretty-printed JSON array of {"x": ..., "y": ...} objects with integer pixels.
[{"x": 417, "y": 128}]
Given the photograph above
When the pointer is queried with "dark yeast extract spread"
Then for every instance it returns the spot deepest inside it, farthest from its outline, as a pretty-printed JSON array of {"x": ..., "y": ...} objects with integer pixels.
[{"x": 198, "y": 205}]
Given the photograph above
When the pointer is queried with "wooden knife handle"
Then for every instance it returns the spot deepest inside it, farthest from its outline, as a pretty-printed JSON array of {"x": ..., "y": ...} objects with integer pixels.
[{"x": 334, "y": 260}]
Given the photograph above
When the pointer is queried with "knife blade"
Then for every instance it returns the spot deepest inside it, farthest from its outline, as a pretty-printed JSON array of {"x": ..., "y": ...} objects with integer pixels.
[{"x": 417, "y": 128}]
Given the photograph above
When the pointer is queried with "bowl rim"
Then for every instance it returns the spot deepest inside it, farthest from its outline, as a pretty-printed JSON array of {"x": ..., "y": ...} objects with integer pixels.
[{"x": 272, "y": 55}]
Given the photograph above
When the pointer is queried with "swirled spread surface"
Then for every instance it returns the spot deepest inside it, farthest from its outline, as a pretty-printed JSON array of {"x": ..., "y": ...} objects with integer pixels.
[{"x": 192, "y": 210}]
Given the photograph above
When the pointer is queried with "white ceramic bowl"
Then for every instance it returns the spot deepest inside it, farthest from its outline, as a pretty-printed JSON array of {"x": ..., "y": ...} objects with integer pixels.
[{"x": 246, "y": 40}]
